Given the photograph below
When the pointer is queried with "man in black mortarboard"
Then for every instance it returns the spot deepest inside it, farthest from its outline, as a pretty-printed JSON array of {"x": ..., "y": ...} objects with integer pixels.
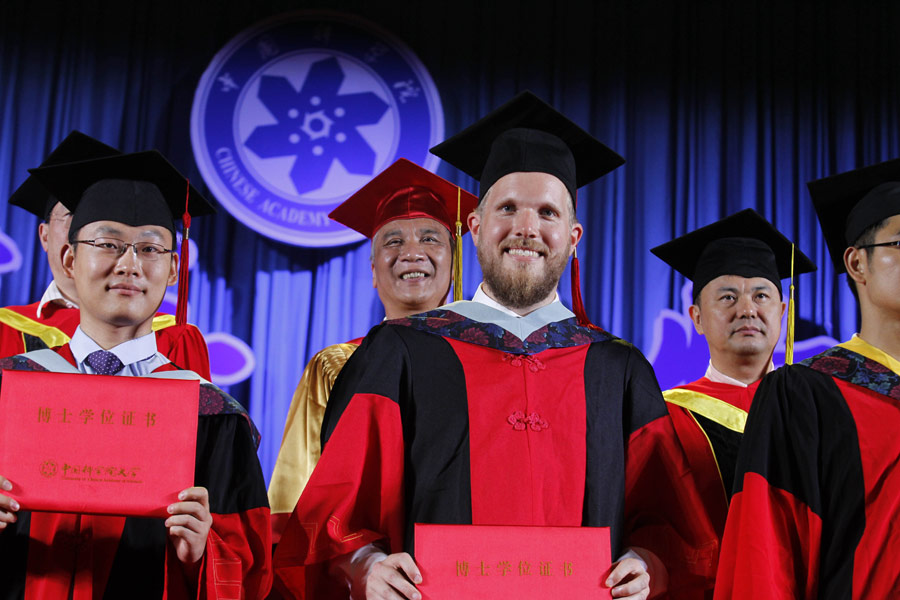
[
  {"x": 816, "y": 491},
  {"x": 737, "y": 265},
  {"x": 120, "y": 257},
  {"x": 507, "y": 409},
  {"x": 51, "y": 321}
]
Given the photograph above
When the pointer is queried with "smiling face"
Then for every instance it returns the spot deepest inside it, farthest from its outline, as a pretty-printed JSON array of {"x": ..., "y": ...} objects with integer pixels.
[
  {"x": 740, "y": 317},
  {"x": 525, "y": 232},
  {"x": 119, "y": 291},
  {"x": 411, "y": 262}
]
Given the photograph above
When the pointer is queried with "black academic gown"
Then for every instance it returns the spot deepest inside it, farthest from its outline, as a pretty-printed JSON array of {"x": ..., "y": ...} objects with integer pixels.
[{"x": 817, "y": 489}]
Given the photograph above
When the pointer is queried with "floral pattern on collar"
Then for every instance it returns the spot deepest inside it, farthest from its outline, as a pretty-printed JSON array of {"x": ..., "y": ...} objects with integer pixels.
[
  {"x": 449, "y": 324},
  {"x": 854, "y": 368}
]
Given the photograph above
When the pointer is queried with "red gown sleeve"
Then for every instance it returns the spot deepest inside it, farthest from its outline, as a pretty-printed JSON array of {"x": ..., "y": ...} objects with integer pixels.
[
  {"x": 184, "y": 345},
  {"x": 354, "y": 498},
  {"x": 355, "y": 494},
  {"x": 664, "y": 510},
  {"x": 11, "y": 341},
  {"x": 237, "y": 562}
]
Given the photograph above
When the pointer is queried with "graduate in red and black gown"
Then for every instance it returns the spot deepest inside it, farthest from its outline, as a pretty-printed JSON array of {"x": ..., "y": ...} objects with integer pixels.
[
  {"x": 216, "y": 543},
  {"x": 818, "y": 474},
  {"x": 508, "y": 409},
  {"x": 52, "y": 320},
  {"x": 736, "y": 265}
]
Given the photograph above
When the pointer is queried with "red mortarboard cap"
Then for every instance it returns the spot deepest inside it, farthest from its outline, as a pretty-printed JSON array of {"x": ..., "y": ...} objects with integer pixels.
[{"x": 404, "y": 191}]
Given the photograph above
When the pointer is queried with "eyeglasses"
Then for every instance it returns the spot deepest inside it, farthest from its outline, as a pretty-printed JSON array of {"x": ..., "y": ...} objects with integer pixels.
[
  {"x": 115, "y": 248},
  {"x": 894, "y": 244}
]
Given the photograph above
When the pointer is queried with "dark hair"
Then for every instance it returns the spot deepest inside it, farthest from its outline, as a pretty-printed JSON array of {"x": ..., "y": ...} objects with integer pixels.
[
  {"x": 73, "y": 235},
  {"x": 865, "y": 238}
]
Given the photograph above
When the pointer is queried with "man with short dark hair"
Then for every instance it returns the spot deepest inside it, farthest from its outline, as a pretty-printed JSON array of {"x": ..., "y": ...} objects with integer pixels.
[
  {"x": 818, "y": 474},
  {"x": 737, "y": 265},
  {"x": 52, "y": 320},
  {"x": 215, "y": 543},
  {"x": 506, "y": 410}
]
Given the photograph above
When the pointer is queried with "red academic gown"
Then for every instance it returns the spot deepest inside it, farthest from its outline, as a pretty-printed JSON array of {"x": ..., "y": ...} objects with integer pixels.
[
  {"x": 817, "y": 487},
  {"x": 21, "y": 330},
  {"x": 437, "y": 418},
  {"x": 85, "y": 557},
  {"x": 709, "y": 421}
]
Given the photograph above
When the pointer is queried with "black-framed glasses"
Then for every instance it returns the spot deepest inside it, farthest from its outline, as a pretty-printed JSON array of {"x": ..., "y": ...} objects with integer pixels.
[
  {"x": 894, "y": 244},
  {"x": 115, "y": 248}
]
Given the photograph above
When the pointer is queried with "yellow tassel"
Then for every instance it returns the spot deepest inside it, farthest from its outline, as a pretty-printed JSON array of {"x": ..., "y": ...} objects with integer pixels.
[
  {"x": 789, "y": 336},
  {"x": 457, "y": 253}
]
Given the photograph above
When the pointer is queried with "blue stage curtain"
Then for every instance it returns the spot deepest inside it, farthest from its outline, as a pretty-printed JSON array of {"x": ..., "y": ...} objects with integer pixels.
[{"x": 716, "y": 107}]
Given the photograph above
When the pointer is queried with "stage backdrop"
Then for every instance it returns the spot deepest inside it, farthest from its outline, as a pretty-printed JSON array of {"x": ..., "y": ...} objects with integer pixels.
[{"x": 715, "y": 106}]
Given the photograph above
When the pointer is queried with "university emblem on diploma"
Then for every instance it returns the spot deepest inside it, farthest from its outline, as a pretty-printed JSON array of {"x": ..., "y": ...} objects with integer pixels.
[{"x": 298, "y": 112}]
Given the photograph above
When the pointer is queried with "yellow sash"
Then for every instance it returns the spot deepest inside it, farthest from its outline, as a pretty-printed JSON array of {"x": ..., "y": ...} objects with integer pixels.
[
  {"x": 713, "y": 409},
  {"x": 54, "y": 337}
]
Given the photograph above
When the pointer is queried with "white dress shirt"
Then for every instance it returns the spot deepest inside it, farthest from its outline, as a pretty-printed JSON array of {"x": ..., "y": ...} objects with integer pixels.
[
  {"x": 139, "y": 355},
  {"x": 52, "y": 294},
  {"x": 717, "y": 376},
  {"x": 482, "y": 298}
]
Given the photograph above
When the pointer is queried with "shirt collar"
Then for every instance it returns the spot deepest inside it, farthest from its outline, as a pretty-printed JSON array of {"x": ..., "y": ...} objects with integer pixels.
[
  {"x": 129, "y": 352},
  {"x": 717, "y": 376},
  {"x": 482, "y": 298},
  {"x": 52, "y": 294}
]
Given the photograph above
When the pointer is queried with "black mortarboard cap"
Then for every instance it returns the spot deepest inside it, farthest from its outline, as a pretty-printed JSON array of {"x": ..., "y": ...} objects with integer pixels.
[
  {"x": 33, "y": 196},
  {"x": 744, "y": 244},
  {"x": 849, "y": 203},
  {"x": 528, "y": 135},
  {"x": 142, "y": 188}
]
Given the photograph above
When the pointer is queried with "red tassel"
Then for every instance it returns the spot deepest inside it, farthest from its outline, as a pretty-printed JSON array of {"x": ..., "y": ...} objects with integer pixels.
[
  {"x": 577, "y": 302},
  {"x": 183, "y": 273}
]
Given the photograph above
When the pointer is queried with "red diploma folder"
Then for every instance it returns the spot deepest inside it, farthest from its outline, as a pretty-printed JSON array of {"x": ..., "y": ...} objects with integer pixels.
[
  {"x": 516, "y": 563},
  {"x": 97, "y": 444}
]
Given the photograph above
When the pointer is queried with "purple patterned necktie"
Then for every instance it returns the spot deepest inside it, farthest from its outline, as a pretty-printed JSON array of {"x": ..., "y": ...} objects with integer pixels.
[{"x": 104, "y": 362}]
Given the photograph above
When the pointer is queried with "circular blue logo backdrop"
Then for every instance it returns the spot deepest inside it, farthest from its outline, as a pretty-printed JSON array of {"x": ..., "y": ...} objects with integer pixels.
[{"x": 298, "y": 112}]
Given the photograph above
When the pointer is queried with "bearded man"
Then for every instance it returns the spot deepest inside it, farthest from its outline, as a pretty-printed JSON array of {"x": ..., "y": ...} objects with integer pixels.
[{"x": 504, "y": 410}]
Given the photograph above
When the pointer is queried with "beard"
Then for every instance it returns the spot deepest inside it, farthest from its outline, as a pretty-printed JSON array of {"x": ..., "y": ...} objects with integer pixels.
[{"x": 517, "y": 286}]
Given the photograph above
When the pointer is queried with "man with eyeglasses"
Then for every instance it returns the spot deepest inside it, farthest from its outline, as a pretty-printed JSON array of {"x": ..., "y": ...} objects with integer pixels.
[
  {"x": 51, "y": 321},
  {"x": 817, "y": 484},
  {"x": 216, "y": 542}
]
